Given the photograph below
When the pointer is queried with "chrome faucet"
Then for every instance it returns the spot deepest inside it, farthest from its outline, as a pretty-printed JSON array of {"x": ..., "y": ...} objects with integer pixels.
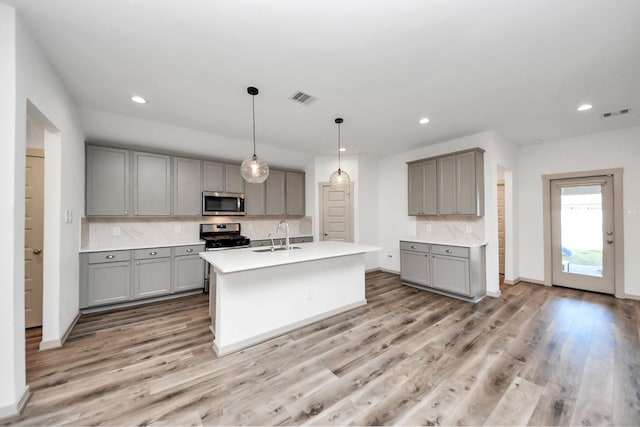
[
  {"x": 286, "y": 230},
  {"x": 273, "y": 245}
]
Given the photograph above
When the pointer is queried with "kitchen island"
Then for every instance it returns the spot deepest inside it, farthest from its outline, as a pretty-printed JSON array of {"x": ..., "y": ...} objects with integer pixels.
[{"x": 257, "y": 294}]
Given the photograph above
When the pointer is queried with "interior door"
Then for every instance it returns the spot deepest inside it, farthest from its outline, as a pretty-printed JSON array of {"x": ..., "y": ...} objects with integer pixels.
[
  {"x": 582, "y": 224},
  {"x": 33, "y": 238},
  {"x": 336, "y": 213}
]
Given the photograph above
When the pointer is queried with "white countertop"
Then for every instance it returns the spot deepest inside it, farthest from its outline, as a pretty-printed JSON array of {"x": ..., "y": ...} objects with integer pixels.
[
  {"x": 465, "y": 242},
  {"x": 281, "y": 237},
  {"x": 134, "y": 247},
  {"x": 247, "y": 259}
]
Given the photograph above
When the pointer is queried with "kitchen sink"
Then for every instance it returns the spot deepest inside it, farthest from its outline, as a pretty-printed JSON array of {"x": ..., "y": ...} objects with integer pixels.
[{"x": 275, "y": 249}]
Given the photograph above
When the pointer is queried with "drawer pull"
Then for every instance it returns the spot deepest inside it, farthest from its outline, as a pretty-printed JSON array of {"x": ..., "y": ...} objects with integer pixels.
[
  {"x": 110, "y": 256},
  {"x": 413, "y": 247},
  {"x": 153, "y": 253},
  {"x": 137, "y": 262},
  {"x": 189, "y": 250},
  {"x": 448, "y": 251}
]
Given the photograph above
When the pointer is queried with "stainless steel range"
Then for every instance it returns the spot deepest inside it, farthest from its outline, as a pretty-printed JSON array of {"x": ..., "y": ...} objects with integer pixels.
[{"x": 219, "y": 237}]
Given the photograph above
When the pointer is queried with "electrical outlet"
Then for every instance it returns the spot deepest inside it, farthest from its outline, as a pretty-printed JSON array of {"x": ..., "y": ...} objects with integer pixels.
[
  {"x": 116, "y": 231},
  {"x": 309, "y": 294},
  {"x": 467, "y": 229},
  {"x": 177, "y": 229},
  {"x": 427, "y": 227}
]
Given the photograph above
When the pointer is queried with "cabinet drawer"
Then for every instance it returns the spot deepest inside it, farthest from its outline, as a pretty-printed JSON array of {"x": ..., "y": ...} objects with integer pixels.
[
  {"x": 188, "y": 250},
  {"x": 151, "y": 253},
  {"x": 414, "y": 246},
  {"x": 113, "y": 256},
  {"x": 450, "y": 250}
]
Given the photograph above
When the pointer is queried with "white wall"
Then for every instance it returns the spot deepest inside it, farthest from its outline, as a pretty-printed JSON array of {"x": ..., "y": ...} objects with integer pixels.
[
  {"x": 12, "y": 355},
  {"x": 101, "y": 126},
  {"x": 616, "y": 149},
  {"x": 39, "y": 85},
  {"x": 394, "y": 223}
]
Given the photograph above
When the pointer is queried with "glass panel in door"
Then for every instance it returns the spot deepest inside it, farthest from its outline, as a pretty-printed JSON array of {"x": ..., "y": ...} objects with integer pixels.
[{"x": 582, "y": 233}]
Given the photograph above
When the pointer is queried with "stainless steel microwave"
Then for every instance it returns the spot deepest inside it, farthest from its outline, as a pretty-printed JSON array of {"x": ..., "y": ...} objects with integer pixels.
[{"x": 214, "y": 203}]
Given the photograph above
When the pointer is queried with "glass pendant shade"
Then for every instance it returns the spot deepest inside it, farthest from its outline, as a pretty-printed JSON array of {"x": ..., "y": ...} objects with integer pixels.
[
  {"x": 254, "y": 170},
  {"x": 339, "y": 178}
]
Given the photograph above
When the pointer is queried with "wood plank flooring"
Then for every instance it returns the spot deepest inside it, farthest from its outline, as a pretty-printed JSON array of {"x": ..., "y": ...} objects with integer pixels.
[{"x": 536, "y": 356}]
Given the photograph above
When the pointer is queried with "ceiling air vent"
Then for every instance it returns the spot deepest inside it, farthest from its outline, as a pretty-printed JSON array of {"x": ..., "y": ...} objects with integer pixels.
[
  {"x": 302, "y": 98},
  {"x": 615, "y": 113}
]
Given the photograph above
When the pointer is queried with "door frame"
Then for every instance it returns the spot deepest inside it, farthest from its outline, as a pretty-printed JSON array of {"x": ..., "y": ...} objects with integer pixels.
[
  {"x": 321, "y": 186},
  {"x": 618, "y": 227}
]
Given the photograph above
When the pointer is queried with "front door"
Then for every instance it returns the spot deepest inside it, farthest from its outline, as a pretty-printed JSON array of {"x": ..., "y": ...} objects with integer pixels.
[
  {"x": 336, "y": 213},
  {"x": 33, "y": 238},
  {"x": 582, "y": 224}
]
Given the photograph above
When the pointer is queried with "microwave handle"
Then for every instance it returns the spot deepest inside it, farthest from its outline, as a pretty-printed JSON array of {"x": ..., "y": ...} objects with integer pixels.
[{"x": 238, "y": 204}]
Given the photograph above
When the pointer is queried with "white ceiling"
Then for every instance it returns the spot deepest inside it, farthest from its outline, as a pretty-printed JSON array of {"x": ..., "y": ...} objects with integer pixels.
[{"x": 518, "y": 67}]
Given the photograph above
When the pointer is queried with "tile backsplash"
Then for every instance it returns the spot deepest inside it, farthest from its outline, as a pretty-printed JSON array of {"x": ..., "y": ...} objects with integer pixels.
[
  {"x": 123, "y": 232},
  {"x": 450, "y": 228}
]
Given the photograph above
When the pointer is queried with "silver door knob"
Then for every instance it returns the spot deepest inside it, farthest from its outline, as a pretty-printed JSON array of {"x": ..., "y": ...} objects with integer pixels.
[
  {"x": 609, "y": 233},
  {"x": 326, "y": 234},
  {"x": 37, "y": 251},
  {"x": 609, "y": 241}
]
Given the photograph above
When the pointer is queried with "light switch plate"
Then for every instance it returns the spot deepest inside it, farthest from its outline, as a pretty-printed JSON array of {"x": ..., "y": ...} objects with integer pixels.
[{"x": 116, "y": 231}]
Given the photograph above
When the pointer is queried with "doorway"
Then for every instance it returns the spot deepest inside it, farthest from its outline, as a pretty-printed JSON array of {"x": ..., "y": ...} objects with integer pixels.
[
  {"x": 583, "y": 231},
  {"x": 501, "y": 228},
  {"x": 33, "y": 237},
  {"x": 336, "y": 212}
]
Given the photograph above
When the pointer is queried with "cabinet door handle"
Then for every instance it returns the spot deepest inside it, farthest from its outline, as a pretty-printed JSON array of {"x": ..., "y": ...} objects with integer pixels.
[
  {"x": 153, "y": 253},
  {"x": 110, "y": 256},
  {"x": 137, "y": 262},
  {"x": 189, "y": 250},
  {"x": 413, "y": 247},
  {"x": 126, "y": 265},
  {"x": 125, "y": 212},
  {"x": 448, "y": 251}
]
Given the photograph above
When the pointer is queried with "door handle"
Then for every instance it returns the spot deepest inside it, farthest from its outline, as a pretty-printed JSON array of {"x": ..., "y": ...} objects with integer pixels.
[
  {"x": 609, "y": 233},
  {"x": 37, "y": 251},
  {"x": 326, "y": 234},
  {"x": 609, "y": 241}
]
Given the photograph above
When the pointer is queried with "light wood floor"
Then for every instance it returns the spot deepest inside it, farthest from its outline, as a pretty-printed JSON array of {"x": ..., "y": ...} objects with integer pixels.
[{"x": 537, "y": 356}]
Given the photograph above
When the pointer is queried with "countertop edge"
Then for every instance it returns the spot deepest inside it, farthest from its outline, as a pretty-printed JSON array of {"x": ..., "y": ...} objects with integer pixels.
[
  {"x": 444, "y": 242},
  {"x": 133, "y": 248}
]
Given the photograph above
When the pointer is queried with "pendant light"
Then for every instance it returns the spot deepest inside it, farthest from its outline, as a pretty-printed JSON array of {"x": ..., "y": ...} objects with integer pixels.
[
  {"x": 253, "y": 169},
  {"x": 339, "y": 178}
]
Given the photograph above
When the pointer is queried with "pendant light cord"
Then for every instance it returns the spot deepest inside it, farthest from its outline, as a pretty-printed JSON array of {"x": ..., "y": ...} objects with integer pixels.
[
  {"x": 339, "y": 147},
  {"x": 253, "y": 109}
]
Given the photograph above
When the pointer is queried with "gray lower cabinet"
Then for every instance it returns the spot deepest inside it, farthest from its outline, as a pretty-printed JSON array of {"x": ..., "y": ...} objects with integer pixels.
[
  {"x": 275, "y": 193},
  {"x": 151, "y": 272},
  {"x": 277, "y": 239},
  {"x": 450, "y": 270},
  {"x": 151, "y": 184},
  {"x": 414, "y": 263},
  {"x": 295, "y": 193},
  {"x": 188, "y": 268},
  {"x": 116, "y": 277},
  {"x": 187, "y": 187},
  {"x": 304, "y": 239},
  {"x": 106, "y": 278},
  {"x": 107, "y": 181}
]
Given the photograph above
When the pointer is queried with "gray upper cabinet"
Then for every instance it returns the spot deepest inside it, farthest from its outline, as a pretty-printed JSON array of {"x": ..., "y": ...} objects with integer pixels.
[
  {"x": 234, "y": 183},
  {"x": 422, "y": 188},
  {"x": 447, "y": 185},
  {"x": 275, "y": 193},
  {"x": 187, "y": 191},
  {"x": 447, "y": 192},
  {"x": 254, "y": 202},
  {"x": 295, "y": 193},
  {"x": 107, "y": 182},
  {"x": 151, "y": 184},
  {"x": 213, "y": 176}
]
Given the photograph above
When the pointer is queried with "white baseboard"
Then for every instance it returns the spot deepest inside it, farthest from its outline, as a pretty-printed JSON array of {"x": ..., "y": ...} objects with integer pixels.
[
  {"x": 512, "y": 282},
  {"x": 388, "y": 270},
  {"x": 48, "y": 345},
  {"x": 534, "y": 281},
  {"x": 223, "y": 351},
  {"x": 494, "y": 294},
  {"x": 10, "y": 411},
  {"x": 633, "y": 297}
]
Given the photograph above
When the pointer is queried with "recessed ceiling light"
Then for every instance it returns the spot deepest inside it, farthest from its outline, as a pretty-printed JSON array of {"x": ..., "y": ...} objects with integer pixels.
[
  {"x": 585, "y": 107},
  {"x": 343, "y": 149},
  {"x": 424, "y": 121},
  {"x": 138, "y": 99}
]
